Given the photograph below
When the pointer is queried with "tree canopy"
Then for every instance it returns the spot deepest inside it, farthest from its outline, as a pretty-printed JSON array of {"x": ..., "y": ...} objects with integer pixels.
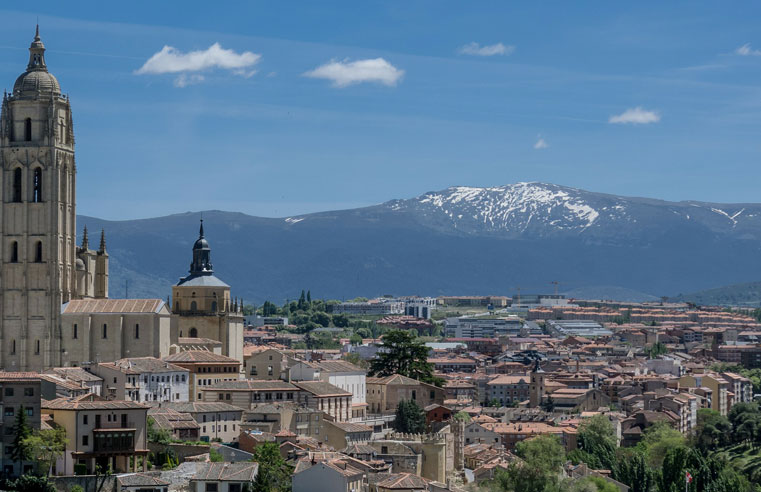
[
  {"x": 409, "y": 417},
  {"x": 403, "y": 353}
]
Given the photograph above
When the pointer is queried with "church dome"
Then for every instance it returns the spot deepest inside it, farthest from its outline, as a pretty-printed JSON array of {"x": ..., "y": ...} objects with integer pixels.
[
  {"x": 201, "y": 243},
  {"x": 36, "y": 82}
]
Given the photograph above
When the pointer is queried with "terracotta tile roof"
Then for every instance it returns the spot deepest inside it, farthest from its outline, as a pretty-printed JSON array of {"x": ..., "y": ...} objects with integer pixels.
[
  {"x": 140, "y": 365},
  {"x": 403, "y": 481},
  {"x": 338, "y": 366},
  {"x": 141, "y": 480},
  {"x": 321, "y": 388},
  {"x": 75, "y": 374},
  {"x": 197, "y": 341},
  {"x": 198, "y": 406},
  {"x": 112, "y": 306},
  {"x": 19, "y": 376},
  {"x": 87, "y": 402},
  {"x": 226, "y": 472},
  {"x": 252, "y": 385},
  {"x": 199, "y": 356},
  {"x": 166, "y": 418}
]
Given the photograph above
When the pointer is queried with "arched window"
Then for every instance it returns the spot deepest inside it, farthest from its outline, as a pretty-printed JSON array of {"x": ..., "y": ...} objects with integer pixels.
[
  {"x": 214, "y": 306},
  {"x": 37, "y": 185},
  {"x": 193, "y": 333},
  {"x": 17, "y": 185},
  {"x": 14, "y": 252},
  {"x": 193, "y": 306},
  {"x": 38, "y": 252},
  {"x": 28, "y": 130}
]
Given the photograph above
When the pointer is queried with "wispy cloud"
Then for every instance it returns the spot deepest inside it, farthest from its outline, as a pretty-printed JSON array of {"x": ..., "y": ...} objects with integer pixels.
[
  {"x": 345, "y": 73},
  {"x": 486, "y": 50},
  {"x": 541, "y": 143},
  {"x": 172, "y": 60},
  {"x": 636, "y": 116},
  {"x": 746, "y": 50}
]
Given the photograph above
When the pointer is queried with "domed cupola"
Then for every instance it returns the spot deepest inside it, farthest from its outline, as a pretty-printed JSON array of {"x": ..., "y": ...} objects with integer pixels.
[
  {"x": 36, "y": 80},
  {"x": 201, "y": 256}
]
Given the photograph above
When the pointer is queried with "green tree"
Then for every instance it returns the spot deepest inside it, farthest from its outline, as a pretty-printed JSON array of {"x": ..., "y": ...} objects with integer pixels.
[
  {"x": 543, "y": 459},
  {"x": 161, "y": 436},
  {"x": 657, "y": 440},
  {"x": 309, "y": 298},
  {"x": 215, "y": 456},
  {"x": 713, "y": 430},
  {"x": 302, "y": 300},
  {"x": 634, "y": 471},
  {"x": 355, "y": 339},
  {"x": 462, "y": 416},
  {"x": 46, "y": 446},
  {"x": 548, "y": 404},
  {"x": 274, "y": 473},
  {"x": 409, "y": 417},
  {"x": 593, "y": 484},
  {"x": 597, "y": 438},
  {"x": 322, "y": 319},
  {"x": 403, "y": 354},
  {"x": 340, "y": 320},
  {"x": 31, "y": 483},
  {"x": 21, "y": 430}
]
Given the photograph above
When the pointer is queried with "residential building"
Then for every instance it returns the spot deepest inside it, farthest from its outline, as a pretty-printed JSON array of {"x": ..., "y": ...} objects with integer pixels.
[
  {"x": 262, "y": 362},
  {"x": 105, "y": 433},
  {"x": 343, "y": 434},
  {"x": 80, "y": 376},
  {"x": 373, "y": 307},
  {"x": 715, "y": 383},
  {"x": 329, "y": 476},
  {"x": 246, "y": 393},
  {"x": 19, "y": 392},
  {"x": 180, "y": 425},
  {"x": 384, "y": 394},
  {"x": 348, "y": 377},
  {"x": 508, "y": 389},
  {"x": 206, "y": 369},
  {"x": 224, "y": 477},
  {"x": 482, "y": 326},
  {"x": 217, "y": 421},
  {"x": 274, "y": 417},
  {"x": 330, "y": 399},
  {"x": 143, "y": 379},
  {"x": 740, "y": 386}
]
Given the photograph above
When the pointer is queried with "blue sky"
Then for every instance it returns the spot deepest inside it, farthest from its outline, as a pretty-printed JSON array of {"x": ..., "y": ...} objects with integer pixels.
[{"x": 659, "y": 99}]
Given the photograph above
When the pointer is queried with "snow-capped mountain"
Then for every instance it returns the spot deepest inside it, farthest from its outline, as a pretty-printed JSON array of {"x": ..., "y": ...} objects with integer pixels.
[
  {"x": 535, "y": 210},
  {"x": 462, "y": 240}
]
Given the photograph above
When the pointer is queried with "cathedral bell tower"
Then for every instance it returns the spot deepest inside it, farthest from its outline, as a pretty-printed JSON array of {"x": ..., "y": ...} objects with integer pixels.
[{"x": 37, "y": 219}]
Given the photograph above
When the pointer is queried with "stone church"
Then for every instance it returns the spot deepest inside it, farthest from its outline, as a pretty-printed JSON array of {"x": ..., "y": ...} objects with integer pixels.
[{"x": 54, "y": 306}]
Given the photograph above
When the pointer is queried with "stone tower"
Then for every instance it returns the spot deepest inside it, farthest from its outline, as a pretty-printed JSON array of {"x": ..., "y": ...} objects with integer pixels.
[
  {"x": 37, "y": 223},
  {"x": 536, "y": 388},
  {"x": 203, "y": 306}
]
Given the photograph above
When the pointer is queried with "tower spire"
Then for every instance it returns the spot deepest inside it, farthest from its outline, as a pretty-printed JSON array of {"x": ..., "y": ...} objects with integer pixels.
[
  {"x": 102, "y": 249},
  {"x": 85, "y": 240},
  {"x": 37, "y": 53},
  {"x": 200, "y": 233}
]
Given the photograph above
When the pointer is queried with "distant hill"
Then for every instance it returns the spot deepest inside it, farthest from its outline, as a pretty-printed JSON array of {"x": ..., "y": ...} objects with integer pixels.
[
  {"x": 747, "y": 294},
  {"x": 461, "y": 240}
]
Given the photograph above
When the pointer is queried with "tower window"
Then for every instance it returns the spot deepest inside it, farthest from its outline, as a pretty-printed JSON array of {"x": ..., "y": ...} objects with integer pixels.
[
  {"x": 193, "y": 306},
  {"x": 37, "y": 186},
  {"x": 105, "y": 330},
  {"x": 76, "y": 334},
  {"x": 28, "y": 130},
  {"x": 137, "y": 330},
  {"x": 214, "y": 306},
  {"x": 14, "y": 252},
  {"x": 17, "y": 185},
  {"x": 38, "y": 252},
  {"x": 193, "y": 333},
  {"x": 13, "y": 346},
  {"x": 37, "y": 347}
]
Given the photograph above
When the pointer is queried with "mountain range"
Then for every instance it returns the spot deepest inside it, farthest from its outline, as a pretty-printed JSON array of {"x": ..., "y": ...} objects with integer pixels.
[{"x": 462, "y": 240}]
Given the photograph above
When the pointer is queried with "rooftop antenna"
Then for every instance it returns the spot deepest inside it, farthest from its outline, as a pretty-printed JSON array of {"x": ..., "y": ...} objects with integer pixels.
[{"x": 556, "y": 284}]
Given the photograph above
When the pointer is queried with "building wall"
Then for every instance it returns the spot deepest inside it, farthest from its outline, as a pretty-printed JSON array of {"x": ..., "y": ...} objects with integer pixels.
[
  {"x": 14, "y": 401},
  {"x": 320, "y": 478}
]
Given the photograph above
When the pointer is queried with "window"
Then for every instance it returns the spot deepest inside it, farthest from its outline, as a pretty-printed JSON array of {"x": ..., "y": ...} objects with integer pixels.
[
  {"x": 9, "y": 411},
  {"x": 84, "y": 419},
  {"x": 433, "y": 395},
  {"x": 8, "y": 391},
  {"x": 30, "y": 412},
  {"x": 13, "y": 351},
  {"x": 269, "y": 370},
  {"x": 28, "y": 391},
  {"x": 28, "y": 130},
  {"x": 38, "y": 252},
  {"x": 105, "y": 330},
  {"x": 214, "y": 306},
  {"x": 85, "y": 440},
  {"x": 193, "y": 331},
  {"x": 137, "y": 330},
  {"x": 221, "y": 396},
  {"x": 227, "y": 396},
  {"x": 14, "y": 252},
  {"x": 37, "y": 185},
  {"x": 211, "y": 487},
  {"x": 183, "y": 378},
  {"x": 76, "y": 330},
  {"x": 37, "y": 347},
  {"x": 193, "y": 307},
  {"x": 17, "y": 185}
]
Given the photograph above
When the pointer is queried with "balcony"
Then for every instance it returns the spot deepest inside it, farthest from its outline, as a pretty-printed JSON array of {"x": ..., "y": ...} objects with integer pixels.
[{"x": 114, "y": 441}]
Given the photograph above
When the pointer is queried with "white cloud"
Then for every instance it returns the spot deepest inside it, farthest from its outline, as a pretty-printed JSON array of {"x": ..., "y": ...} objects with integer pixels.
[
  {"x": 172, "y": 60},
  {"x": 636, "y": 116},
  {"x": 345, "y": 73},
  {"x": 746, "y": 50},
  {"x": 541, "y": 143},
  {"x": 487, "y": 50},
  {"x": 185, "y": 79}
]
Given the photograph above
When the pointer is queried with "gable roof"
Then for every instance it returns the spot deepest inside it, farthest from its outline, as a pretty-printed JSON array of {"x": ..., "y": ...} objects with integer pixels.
[
  {"x": 227, "y": 472},
  {"x": 112, "y": 306}
]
